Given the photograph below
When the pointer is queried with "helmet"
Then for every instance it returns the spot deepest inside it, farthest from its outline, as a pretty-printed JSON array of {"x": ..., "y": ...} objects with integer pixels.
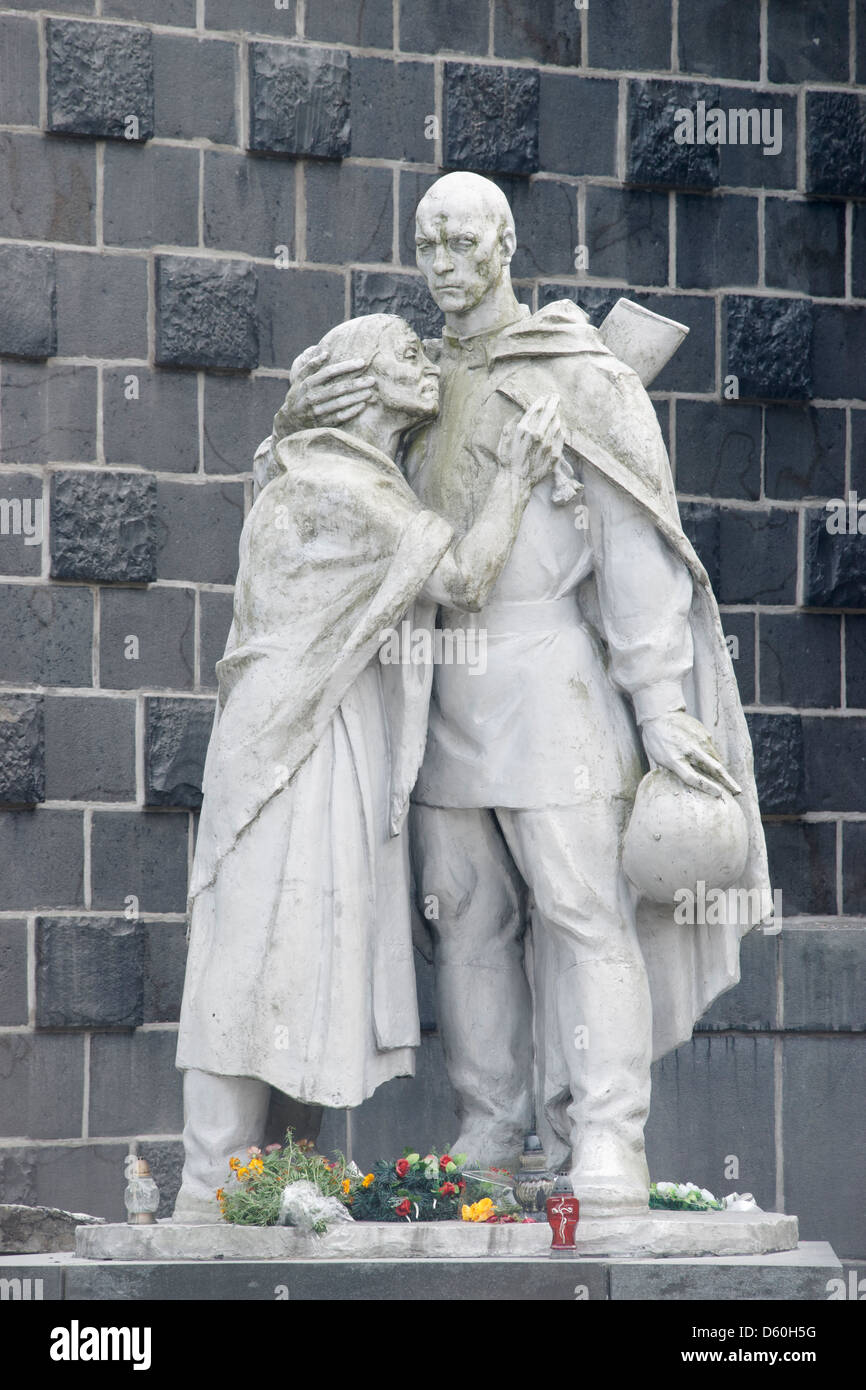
[{"x": 678, "y": 837}]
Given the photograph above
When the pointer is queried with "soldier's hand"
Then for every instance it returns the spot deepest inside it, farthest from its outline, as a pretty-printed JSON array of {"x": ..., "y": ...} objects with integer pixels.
[
  {"x": 682, "y": 745},
  {"x": 323, "y": 395},
  {"x": 531, "y": 446}
]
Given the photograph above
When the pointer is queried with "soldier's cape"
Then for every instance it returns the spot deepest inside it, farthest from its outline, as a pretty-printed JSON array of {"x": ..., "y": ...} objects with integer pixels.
[{"x": 609, "y": 423}]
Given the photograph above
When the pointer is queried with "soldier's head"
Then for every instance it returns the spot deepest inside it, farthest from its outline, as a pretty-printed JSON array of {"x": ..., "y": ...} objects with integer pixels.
[{"x": 464, "y": 240}]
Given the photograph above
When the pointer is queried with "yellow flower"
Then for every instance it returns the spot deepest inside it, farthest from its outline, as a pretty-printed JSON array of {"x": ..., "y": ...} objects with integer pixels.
[
  {"x": 479, "y": 1211},
  {"x": 371, "y": 1177},
  {"x": 256, "y": 1166},
  {"x": 242, "y": 1173},
  {"x": 234, "y": 1164},
  {"x": 345, "y": 1185},
  {"x": 219, "y": 1194}
]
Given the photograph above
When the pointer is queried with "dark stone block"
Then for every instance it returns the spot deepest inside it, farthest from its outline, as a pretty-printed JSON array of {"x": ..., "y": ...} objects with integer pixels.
[
  {"x": 663, "y": 415},
  {"x": 41, "y": 1085},
  {"x": 719, "y": 448},
  {"x": 693, "y": 368},
  {"x": 49, "y": 413},
  {"x": 577, "y": 124},
  {"x": 43, "y": 856},
  {"x": 805, "y": 246},
  {"x": 751, "y": 1005},
  {"x": 103, "y": 527},
  {"x": 206, "y": 313},
  {"x": 216, "y": 619},
  {"x": 627, "y": 235},
  {"x": 702, "y": 525},
  {"x": 717, "y": 241},
  {"x": 858, "y": 251},
  {"x": 249, "y": 204},
  {"x": 176, "y": 734},
  {"x": 49, "y": 188},
  {"x": 768, "y": 346},
  {"x": 777, "y": 744},
  {"x": 134, "y": 1087},
  {"x": 834, "y": 566},
  {"x": 296, "y": 308},
  {"x": 19, "y": 70},
  {"x": 364, "y": 229},
  {"x": 491, "y": 118},
  {"x": 150, "y": 419},
  {"x": 711, "y": 41},
  {"x": 854, "y": 867},
  {"x": 800, "y": 660},
  {"x": 22, "y": 749},
  {"x": 101, "y": 305},
  {"x": 299, "y": 100},
  {"x": 451, "y": 26},
  {"x": 622, "y": 36},
  {"x": 83, "y": 1177},
  {"x": 89, "y": 973},
  {"x": 740, "y": 637},
  {"x": 545, "y": 213},
  {"x": 594, "y": 300},
  {"x": 90, "y": 749},
  {"x": 151, "y": 196},
  {"x": 21, "y": 524},
  {"x": 238, "y": 415},
  {"x": 855, "y": 660},
  {"x": 46, "y": 633},
  {"x": 654, "y": 156},
  {"x": 824, "y": 974},
  {"x": 836, "y": 144},
  {"x": 146, "y": 639},
  {"x": 745, "y": 164},
  {"x": 253, "y": 17},
  {"x": 164, "y": 967},
  {"x": 28, "y": 308},
  {"x": 835, "y": 762},
  {"x": 838, "y": 364},
  {"x": 165, "y": 1158},
  {"x": 412, "y": 187},
  {"x": 376, "y": 292},
  {"x": 364, "y": 23},
  {"x": 194, "y": 83},
  {"x": 545, "y": 31},
  {"x": 140, "y": 854},
  {"x": 199, "y": 529},
  {"x": 804, "y": 452},
  {"x": 389, "y": 106},
  {"x": 758, "y": 551},
  {"x": 807, "y": 42},
  {"x": 99, "y": 76},
  {"x": 802, "y": 857},
  {"x": 13, "y": 975},
  {"x": 180, "y": 12}
]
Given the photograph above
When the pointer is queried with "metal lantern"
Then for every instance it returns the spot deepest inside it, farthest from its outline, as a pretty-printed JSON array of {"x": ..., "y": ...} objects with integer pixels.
[
  {"x": 141, "y": 1197},
  {"x": 533, "y": 1184}
]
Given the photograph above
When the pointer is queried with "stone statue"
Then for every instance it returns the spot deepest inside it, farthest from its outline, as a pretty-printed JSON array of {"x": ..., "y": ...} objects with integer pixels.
[
  {"x": 559, "y": 978},
  {"x": 300, "y": 972}
]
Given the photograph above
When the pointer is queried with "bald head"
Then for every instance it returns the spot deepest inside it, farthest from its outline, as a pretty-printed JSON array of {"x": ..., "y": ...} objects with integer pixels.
[
  {"x": 464, "y": 242},
  {"x": 468, "y": 194}
]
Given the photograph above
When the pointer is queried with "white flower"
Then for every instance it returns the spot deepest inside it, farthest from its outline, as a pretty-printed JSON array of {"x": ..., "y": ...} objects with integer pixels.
[
  {"x": 666, "y": 1189},
  {"x": 707, "y": 1196}
]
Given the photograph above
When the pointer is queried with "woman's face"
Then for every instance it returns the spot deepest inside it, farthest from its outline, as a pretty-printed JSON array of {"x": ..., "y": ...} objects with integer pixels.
[{"x": 407, "y": 381}]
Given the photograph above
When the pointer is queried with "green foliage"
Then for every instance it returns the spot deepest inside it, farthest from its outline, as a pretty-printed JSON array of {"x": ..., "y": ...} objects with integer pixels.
[
  {"x": 254, "y": 1199},
  {"x": 670, "y": 1196}
]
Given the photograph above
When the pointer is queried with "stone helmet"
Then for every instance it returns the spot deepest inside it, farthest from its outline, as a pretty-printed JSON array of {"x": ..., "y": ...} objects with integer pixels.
[{"x": 678, "y": 837}]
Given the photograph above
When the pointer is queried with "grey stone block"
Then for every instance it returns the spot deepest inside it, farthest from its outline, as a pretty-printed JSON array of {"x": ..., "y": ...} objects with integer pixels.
[
  {"x": 89, "y": 973},
  {"x": 206, "y": 313},
  {"x": 709, "y": 42},
  {"x": 253, "y": 17},
  {"x": 22, "y": 749},
  {"x": 768, "y": 346},
  {"x": 151, "y": 197},
  {"x": 41, "y": 1085},
  {"x": 805, "y": 246},
  {"x": 751, "y": 1005},
  {"x": 804, "y": 452},
  {"x": 451, "y": 26},
  {"x": 364, "y": 23},
  {"x": 249, "y": 204},
  {"x": 712, "y": 1099},
  {"x": 746, "y": 165},
  {"x": 741, "y": 627},
  {"x": 717, "y": 241},
  {"x": 162, "y": 622},
  {"x": 49, "y": 188},
  {"x": 296, "y": 308},
  {"x": 176, "y": 734},
  {"x": 545, "y": 213},
  {"x": 140, "y": 854},
  {"x": 166, "y": 1163},
  {"x": 824, "y": 974},
  {"x": 621, "y": 36},
  {"x": 823, "y": 1120},
  {"x": 654, "y": 157},
  {"x": 103, "y": 527},
  {"x": 855, "y": 660},
  {"x": 99, "y": 76},
  {"x": 19, "y": 70},
  {"x": 693, "y": 368},
  {"x": 854, "y": 867},
  {"x": 834, "y": 567},
  {"x": 216, "y": 619},
  {"x": 838, "y": 363},
  {"x": 49, "y": 413},
  {"x": 13, "y": 972},
  {"x": 390, "y": 104},
  {"x": 545, "y": 31},
  {"x": 67, "y": 6},
  {"x": 181, "y": 12},
  {"x": 802, "y": 857},
  {"x": 807, "y": 43},
  {"x": 28, "y": 301},
  {"x": 101, "y": 305},
  {"x": 28, "y": 1230},
  {"x": 164, "y": 967},
  {"x": 834, "y": 756},
  {"x": 836, "y": 144},
  {"x": 858, "y": 251},
  {"x": 134, "y": 1086},
  {"x": 89, "y": 749},
  {"x": 777, "y": 744},
  {"x": 797, "y": 1275},
  {"x": 800, "y": 659},
  {"x": 491, "y": 118},
  {"x": 150, "y": 419},
  {"x": 568, "y": 109},
  {"x": 719, "y": 448},
  {"x": 22, "y": 528},
  {"x": 199, "y": 529},
  {"x": 299, "y": 100},
  {"x": 702, "y": 525},
  {"x": 627, "y": 234},
  {"x": 238, "y": 415},
  {"x": 43, "y": 852},
  {"x": 377, "y": 292},
  {"x": 364, "y": 230},
  {"x": 194, "y": 85},
  {"x": 46, "y": 634},
  {"x": 83, "y": 1177},
  {"x": 412, "y": 188},
  {"x": 758, "y": 556}
]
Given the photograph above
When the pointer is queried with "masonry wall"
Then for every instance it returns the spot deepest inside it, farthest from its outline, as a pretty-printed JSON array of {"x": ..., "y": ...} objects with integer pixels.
[{"x": 192, "y": 191}]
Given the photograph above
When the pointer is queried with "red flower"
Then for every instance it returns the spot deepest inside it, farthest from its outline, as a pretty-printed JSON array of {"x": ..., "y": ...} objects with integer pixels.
[
  {"x": 444, "y": 1161},
  {"x": 402, "y": 1167},
  {"x": 448, "y": 1189},
  {"x": 404, "y": 1207},
  {"x": 461, "y": 1184}
]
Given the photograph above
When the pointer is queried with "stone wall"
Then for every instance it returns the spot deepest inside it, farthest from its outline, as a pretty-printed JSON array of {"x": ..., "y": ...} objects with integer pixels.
[{"x": 191, "y": 191}]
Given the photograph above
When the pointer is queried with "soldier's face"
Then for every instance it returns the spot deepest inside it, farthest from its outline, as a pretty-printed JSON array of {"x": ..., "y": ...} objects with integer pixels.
[{"x": 460, "y": 253}]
